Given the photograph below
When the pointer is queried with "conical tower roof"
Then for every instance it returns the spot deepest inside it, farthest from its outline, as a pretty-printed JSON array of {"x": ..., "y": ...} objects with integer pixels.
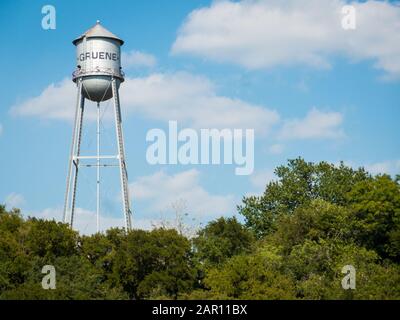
[{"x": 98, "y": 31}]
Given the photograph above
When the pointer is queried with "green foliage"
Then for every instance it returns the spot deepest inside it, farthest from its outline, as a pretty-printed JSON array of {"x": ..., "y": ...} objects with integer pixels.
[
  {"x": 324, "y": 217},
  {"x": 27, "y": 246},
  {"x": 220, "y": 240},
  {"x": 317, "y": 220},
  {"x": 153, "y": 264},
  {"x": 316, "y": 266},
  {"x": 298, "y": 183},
  {"x": 255, "y": 276},
  {"x": 309, "y": 224},
  {"x": 50, "y": 239},
  {"x": 376, "y": 206}
]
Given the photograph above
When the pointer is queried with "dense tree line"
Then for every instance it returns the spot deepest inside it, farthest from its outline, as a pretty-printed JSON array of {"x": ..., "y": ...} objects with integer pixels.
[{"x": 296, "y": 237}]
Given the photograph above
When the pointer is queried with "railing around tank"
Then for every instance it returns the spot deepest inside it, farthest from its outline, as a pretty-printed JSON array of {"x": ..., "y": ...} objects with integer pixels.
[{"x": 100, "y": 71}]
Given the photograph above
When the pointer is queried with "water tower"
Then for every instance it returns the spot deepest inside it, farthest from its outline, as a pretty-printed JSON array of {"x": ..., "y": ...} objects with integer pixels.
[{"x": 98, "y": 76}]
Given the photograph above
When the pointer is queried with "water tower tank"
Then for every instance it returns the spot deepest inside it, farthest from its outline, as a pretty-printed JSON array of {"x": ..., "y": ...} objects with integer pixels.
[{"x": 98, "y": 59}]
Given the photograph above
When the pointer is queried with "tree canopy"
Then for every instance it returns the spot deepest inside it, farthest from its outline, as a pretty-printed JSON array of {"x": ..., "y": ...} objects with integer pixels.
[{"x": 295, "y": 238}]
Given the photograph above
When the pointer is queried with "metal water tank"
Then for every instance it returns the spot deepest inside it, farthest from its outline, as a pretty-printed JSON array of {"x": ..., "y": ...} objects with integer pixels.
[{"x": 98, "y": 59}]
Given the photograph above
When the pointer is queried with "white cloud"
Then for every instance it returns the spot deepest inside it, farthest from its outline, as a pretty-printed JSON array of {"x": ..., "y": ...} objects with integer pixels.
[
  {"x": 315, "y": 125},
  {"x": 57, "y": 101},
  {"x": 276, "y": 149},
  {"x": 193, "y": 101},
  {"x": 14, "y": 200},
  {"x": 187, "y": 98},
  {"x": 135, "y": 59},
  {"x": 84, "y": 220},
  {"x": 388, "y": 167},
  {"x": 160, "y": 191},
  {"x": 262, "y": 34},
  {"x": 1, "y": 129},
  {"x": 261, "y": 178}
]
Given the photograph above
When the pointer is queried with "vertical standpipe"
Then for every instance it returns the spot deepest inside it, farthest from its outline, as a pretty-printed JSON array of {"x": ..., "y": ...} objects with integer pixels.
[
  {"x": 98, "y": 76},
  {"x": 98, "y": 170}
]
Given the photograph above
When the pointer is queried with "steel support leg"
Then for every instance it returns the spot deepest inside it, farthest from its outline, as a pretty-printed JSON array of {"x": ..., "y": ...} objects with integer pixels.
[
  {"x": 70, "y": 168},
  {"x": 72, "y": 177},
  {"x": 121, "y": 157}
]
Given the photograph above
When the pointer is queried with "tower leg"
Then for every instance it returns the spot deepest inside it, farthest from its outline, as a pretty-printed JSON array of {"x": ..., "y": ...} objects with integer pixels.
[
  {"x": 121, "y": 157},
  {"x": 70, "y": 161},
  {"x": 72, "y": 177}
]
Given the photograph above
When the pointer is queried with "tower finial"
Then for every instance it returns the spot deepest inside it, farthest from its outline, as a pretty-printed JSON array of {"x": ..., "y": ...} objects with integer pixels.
[{"x": 97, "y": 21}]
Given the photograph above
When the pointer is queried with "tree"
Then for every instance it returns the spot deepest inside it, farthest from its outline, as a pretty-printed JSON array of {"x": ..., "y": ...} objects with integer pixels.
[
  {"x": 220, "y": 240},
  {"x": 309, "y": 224},
  {"x": 76, "y": 279},
  {"x": 315, "y": 221},
  {"x": 50, "y": 239},
  {"x": 375, "y": 204},
  {"x": 253, "y": 276},
  {"x": 298, "y": 183},
  {"x": 28, "y": 245},
  {"x": 317, "y": 265},
  {"x": 14, "y": 260},
  {"x": 155, "y": 263}
]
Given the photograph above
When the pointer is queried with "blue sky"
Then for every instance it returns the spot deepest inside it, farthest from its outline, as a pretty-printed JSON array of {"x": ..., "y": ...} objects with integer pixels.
[{"x": 287, "y": 69}]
